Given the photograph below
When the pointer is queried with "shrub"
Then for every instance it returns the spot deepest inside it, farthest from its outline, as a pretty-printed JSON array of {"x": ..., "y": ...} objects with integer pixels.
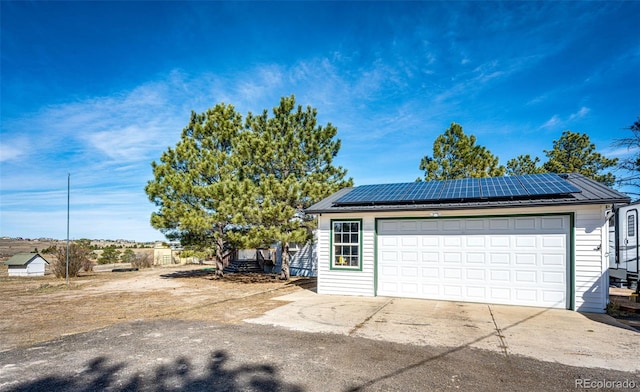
[
  {"x": 142, "y": 260},
  {"x": 78, "y": 257}
]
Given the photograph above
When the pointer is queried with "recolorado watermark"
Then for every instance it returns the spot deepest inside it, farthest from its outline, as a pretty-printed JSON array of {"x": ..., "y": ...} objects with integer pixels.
[{"x": 589, "y": 383}]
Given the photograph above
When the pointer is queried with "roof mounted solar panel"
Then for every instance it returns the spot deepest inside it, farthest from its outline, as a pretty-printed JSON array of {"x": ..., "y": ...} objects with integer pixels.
[
  {"x": 496, "y": 187},
  {"x": 421, "y": 191},
  {"x": 466, "y": 188},
  {"x": 546, "y": 184},
  {"x": 527, "y": 186}
]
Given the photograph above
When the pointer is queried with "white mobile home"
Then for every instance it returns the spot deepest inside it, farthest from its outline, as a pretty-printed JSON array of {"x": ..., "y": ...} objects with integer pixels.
[
  {"x": 535, "y": 240},
  {"x": 624, "y": 244}
]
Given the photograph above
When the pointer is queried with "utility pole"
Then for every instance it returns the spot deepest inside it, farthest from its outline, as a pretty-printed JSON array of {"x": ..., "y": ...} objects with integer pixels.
[{"x": 68, "y": 202}]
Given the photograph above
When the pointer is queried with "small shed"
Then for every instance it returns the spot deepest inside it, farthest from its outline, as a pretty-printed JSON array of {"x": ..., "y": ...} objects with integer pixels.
[{"x": 26, "y": 264}]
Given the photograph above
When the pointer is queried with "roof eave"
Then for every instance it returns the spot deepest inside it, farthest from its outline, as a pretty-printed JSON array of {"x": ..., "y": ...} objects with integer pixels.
[{"x": 469, "y": 206}]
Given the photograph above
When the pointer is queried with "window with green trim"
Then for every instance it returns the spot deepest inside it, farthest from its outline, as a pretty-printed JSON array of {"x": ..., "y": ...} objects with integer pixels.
[{"x": 346, "y": 244}]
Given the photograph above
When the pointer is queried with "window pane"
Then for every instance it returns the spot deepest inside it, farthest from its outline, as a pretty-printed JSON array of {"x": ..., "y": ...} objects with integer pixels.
[
  {"x": 354, "y": 261},
  {"x": 337, "y": 238},
  {"x": 354, "y": 238},
  {"x": 354, "y": 250},
  {"x": 631, "y": 226},
  {"x": 354, "y": 227},
  {"x": 337, "y": 227}
]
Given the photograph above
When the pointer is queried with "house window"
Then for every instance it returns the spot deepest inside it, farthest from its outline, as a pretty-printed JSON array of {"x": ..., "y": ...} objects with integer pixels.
[
  {"x": 346, "y": 237},
  {"x": 631, "y": 226}
]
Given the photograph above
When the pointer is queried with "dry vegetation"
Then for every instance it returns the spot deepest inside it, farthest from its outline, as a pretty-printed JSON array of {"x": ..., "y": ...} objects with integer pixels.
[{"x": 38, "y": 309}]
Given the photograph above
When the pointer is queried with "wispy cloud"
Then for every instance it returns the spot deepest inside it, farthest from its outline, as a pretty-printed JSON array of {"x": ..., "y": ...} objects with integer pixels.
[{"x": 556, "y": 121}]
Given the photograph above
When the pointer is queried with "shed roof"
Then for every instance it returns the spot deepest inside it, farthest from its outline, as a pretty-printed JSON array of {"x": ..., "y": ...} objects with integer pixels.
[
  {"x": 23, "y": 259},
  {"x": 591, "y": 192}
]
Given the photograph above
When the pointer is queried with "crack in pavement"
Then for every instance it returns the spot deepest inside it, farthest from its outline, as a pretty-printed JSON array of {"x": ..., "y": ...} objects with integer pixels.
[
  {"x": 360, "y": 325},
  {"x": 503, "y": 341}
]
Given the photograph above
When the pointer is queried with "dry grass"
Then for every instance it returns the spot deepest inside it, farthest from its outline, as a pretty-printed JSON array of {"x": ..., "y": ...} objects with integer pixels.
[{"x": 42, "y": 308}]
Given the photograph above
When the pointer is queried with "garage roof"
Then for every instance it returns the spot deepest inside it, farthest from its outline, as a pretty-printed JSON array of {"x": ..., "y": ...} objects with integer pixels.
[{"x": 573, "y": 189}]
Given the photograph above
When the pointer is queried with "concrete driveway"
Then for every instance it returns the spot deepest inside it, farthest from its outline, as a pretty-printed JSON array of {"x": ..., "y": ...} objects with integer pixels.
[{"x": 562, "y": 336}]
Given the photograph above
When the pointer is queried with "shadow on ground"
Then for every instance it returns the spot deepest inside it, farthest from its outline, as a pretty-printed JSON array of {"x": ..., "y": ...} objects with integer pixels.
[
  {"x": 103, "y": 374},
  {"x": 194, "y": 273},
  {"x": 240, "y": 277}
]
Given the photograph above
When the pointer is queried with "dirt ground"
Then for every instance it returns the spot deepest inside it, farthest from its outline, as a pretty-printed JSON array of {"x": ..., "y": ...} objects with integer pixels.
[{"x": 38, "y": 309}]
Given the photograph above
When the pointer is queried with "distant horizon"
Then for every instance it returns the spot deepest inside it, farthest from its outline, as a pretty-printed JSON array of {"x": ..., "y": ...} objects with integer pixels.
[
  {"x": 93, "y": 90},
  {"x": 19, "y": 238}
]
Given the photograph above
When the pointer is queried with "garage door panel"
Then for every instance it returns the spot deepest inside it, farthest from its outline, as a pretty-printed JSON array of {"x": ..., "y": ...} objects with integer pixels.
[
  {"x": 557, "y": 297},
  {"x": 475, "y": 274},
  {"x": 408, "y": 256},
  {"x": 389, "y": 241},
  {"x": 478, "y": 293},
  {"x": 524, "y": 223},
  {"x": 452, "y": 225},
  {"x": 430, "y": 257},
  {"x": 553, "y": 242},
  {"x": 452, "y": 273},
  {"x": 431, "y": 273},
  {"x": 431, "y": 291},
  {"x": 430, "y": 241},
  {"x": 452, "y": 257},
  {"x": 500, "y": 275},
  {"x": 409, "y": 288},
  {"x": 526, "y": 295},
  {"x": 552, "y": 277},
  {"x": 499, "y": 258},
  {"x": 452, "y": 291},
  {"x": 553, "y": 259},
  {"x": 475, "y": 224},
  {"x": 388, "y": 270},
  {"x": 526, "y": 241},
  {"x": 475, "y": 241},
  {"x": 512, "y": 260},
  {"x": 389, "y": 256},
  {"x": 501, "y": 294},
  {"x": 409, "y": 272},
  {"x": 499, "y": 224},
  {"x": 475, "y": 258},
  {"x": 500, "y": 241},
  {"x": 409, "y": 241},
  {"x": 427, "y": 226},
  {"x": 408, "y": 227},
  {"x": 526, "y": 259},
  {"x": 526, "y": 277},
  {"x": 452, "y": 241},
  {"x": 555, "y": 222}
]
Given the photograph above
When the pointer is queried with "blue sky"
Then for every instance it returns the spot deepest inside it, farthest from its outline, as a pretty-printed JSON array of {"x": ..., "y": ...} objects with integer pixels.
[{"x": 101, "y": 89}]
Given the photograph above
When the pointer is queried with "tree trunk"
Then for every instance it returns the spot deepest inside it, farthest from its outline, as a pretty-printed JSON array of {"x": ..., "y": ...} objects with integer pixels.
[
  {"x": 284, "y": 274},
  {"x": 220, "y": 258}
]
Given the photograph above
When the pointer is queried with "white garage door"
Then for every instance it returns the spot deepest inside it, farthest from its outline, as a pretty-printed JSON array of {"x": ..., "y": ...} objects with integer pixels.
[{"x": 503, "y": 260}]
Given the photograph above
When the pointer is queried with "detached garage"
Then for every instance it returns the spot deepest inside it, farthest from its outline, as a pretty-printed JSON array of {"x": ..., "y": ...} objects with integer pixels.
[{"x": 535, "y": 240}]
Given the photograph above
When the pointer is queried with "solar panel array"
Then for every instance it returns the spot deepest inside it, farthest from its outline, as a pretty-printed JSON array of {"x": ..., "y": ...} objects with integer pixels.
[{"x": 526, "y": 186}]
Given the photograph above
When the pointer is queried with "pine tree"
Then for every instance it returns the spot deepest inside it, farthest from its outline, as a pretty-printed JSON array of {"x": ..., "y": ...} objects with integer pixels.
[
  {"x": 524, "y": 164},
  {"x": 574, "y": 152},
  {"x": 292, "y": 168},
  {"x": 199, "y": 185},
  {"x": 456, "y": 155}
]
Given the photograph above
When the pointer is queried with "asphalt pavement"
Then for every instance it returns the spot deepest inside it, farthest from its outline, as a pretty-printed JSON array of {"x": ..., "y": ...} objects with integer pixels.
[{"x": 175, "y": 355}]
